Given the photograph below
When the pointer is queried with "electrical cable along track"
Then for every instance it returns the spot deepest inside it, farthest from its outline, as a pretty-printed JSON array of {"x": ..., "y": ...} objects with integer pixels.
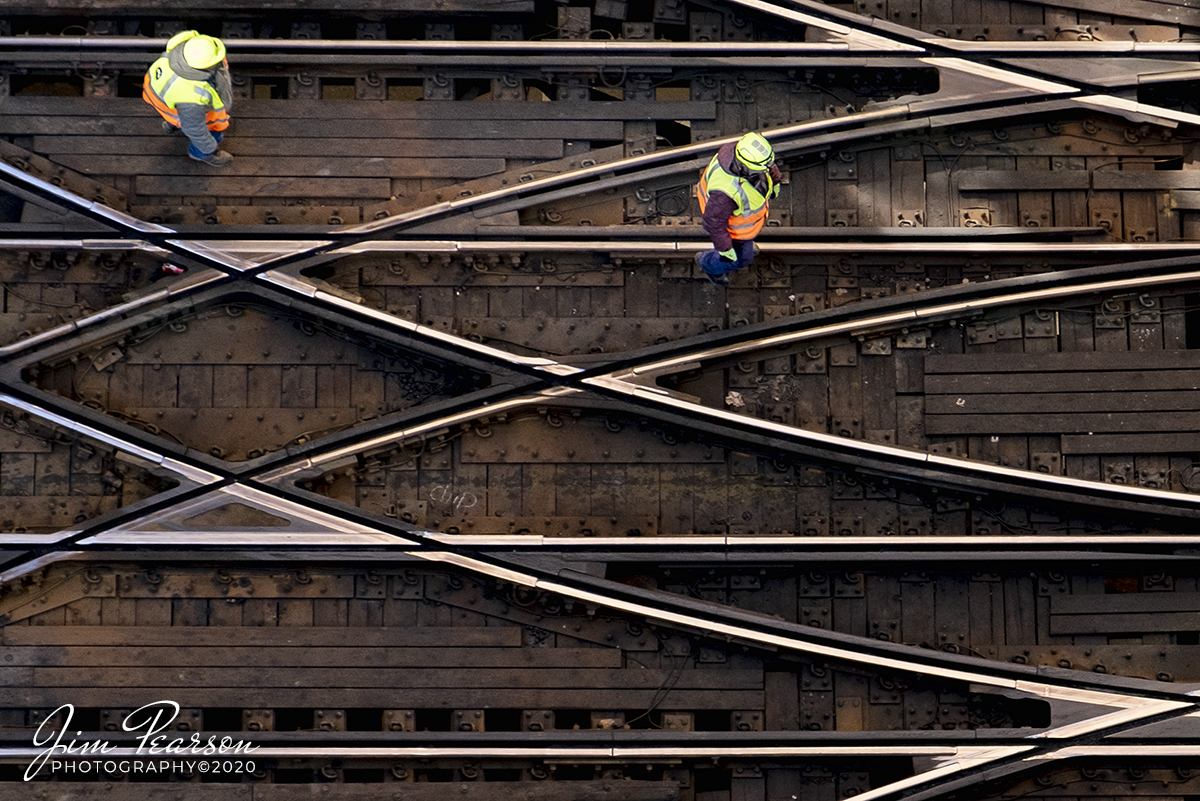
[{"x": 414, "y": 450}]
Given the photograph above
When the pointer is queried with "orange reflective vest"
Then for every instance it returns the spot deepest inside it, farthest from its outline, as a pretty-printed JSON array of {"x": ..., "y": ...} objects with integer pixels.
[
  {"x": 752, "y": 208},
  {"x": 163, "y": 88}
]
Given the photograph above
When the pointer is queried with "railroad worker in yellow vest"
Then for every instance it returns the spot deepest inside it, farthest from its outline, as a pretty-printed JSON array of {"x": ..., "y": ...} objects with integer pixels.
[
  {"x": 189, "y": 85},
  {"x": 733, "y": 193}
]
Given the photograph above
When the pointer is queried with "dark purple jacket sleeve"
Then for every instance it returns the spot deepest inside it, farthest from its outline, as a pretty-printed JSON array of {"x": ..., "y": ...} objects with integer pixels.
[{"x": 719, "y": 209}]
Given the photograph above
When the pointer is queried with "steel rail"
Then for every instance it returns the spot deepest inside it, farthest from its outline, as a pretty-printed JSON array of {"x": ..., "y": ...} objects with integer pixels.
[
  {"x": 1025, "y": 82},
  {"x": 185, "y": 471},
  {"x": 687, "y": 247},
  {"x": 565, "y": 750},
  {"x": 167, "y": 294},
  {"x": 530, "y": 65},
  {"x": 132, "y": 543},
  {"x": 426, "y": 332},
  {"x": 704, "y": 617},
  {"x": 1128, "y": 709},
  {"x": 196, "y": 254},
  {"x": 920, "y": 41},
  {"x": 1138, "y": 712},
  {"x": 353, "y": 450},
  {"x": 1125, "y": 699},
  {"x": 953, "y": 241},
  {"x": 913, "y": 311},
  {"x": 1132, "y": 699},
  {"x": 954, "y": 760},
  {"x": 959, "y": 474},
  {"x": 368, "y": 231}
]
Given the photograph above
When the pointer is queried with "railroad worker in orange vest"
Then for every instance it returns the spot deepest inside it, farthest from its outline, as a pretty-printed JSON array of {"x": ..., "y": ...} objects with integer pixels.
[
  {"x": 733, "y": 193},
  {"x": 189, "y": 85}
]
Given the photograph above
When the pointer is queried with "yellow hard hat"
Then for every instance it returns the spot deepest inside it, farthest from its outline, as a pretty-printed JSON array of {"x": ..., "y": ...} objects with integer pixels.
[
  {"x": 202, "y": 52},
  {"x": 754, "y": 151}
]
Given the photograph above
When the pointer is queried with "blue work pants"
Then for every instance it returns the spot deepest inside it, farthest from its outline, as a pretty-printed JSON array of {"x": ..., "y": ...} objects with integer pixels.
[
  {"x": 712, "y": 263},
  {"x": 194, "y": 151}
]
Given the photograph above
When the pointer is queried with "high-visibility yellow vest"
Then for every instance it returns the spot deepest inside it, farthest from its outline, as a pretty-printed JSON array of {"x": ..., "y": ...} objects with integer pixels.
[
  {"x": 752, "y": 208},
  {"x": 163, "y": 88}
]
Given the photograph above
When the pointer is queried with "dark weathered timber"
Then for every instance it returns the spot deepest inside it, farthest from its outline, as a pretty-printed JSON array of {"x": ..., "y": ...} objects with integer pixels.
[
  {"x": 326, "y": 129},
  {"x": 161, "y": 145},
  {"x": 1074, "y": 361},
  {"x": 598, "y": 790},
  {"x": 270, "y": 166},
  {"x": 278, "y": 656},
  {"x": 299, "y": 111},
  {"x": 263, "y": 187},
  {"x": 375, "y": 697},
  {"x": 1174, "y": 442},
  {"x": 1020, "y": 180},
  {"x": 1149, "y": 10},
  {"x": 313, "y": 637},
  {"x": 1112, "y": 624},
  {"x": 1045, "y": 403},
  {"x": 1029, "y": 181},
  {"x": 1023, "y": 383},
  {"x": 391, "y": 6},
  {"x": 1060, "y": 423},
  {"x": 396, "y": 678},
  {"x": 1125, "y": 603}
]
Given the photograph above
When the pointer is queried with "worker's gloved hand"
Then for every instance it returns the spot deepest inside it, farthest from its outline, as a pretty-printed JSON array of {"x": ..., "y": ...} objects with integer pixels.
[
  {"x": 775, "y": 190},
  {"x": 728, "y": 255}
]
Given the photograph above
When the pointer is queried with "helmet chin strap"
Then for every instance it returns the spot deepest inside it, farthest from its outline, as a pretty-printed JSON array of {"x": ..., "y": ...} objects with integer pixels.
[{"x": 756, "y": 177}]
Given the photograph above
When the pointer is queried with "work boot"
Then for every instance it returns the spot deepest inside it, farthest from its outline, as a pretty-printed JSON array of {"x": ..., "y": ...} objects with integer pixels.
[
  {"x": 169, "y": 129},
  {"x": 217, "y": 159},
  {"x": 719, "y": 280}
]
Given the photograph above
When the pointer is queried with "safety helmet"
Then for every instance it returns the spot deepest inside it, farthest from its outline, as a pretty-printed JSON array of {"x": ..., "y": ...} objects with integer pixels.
[
  {"x": 199, "y": 51},
  {"x": 754, "y": 152}
]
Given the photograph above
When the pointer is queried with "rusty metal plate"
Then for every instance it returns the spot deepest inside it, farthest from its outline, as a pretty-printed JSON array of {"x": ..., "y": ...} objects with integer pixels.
[
  {"x": 13, "y": 441},
  {"x": 51, "y": 512},
  {"x": 1009, "y": 328},
  {"x": 841, "y": 218},
  {"x": 249, "y": 215},
  {"x": 981, "y": 333},
  {"x": 809, "y": 302},
  {"x": 814, "y": 525},
  {"x": 1047, "y": 463},
  {"x": 843, "y": 355},
  {"x": 1041, "y": 324},
  {"x": 916, "y": 340},
  {"x": 842, "y": 168},
  {"x": 410, "y": 270},
  {"x": 54, "y": 593},
  {"x": 877, "y": 347},
  {"x": 812, "y": 360},
  {"x": 975, "y": 218},
  {"x": 591, "y": 526},
  {"x": 227, "y": 583}
]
